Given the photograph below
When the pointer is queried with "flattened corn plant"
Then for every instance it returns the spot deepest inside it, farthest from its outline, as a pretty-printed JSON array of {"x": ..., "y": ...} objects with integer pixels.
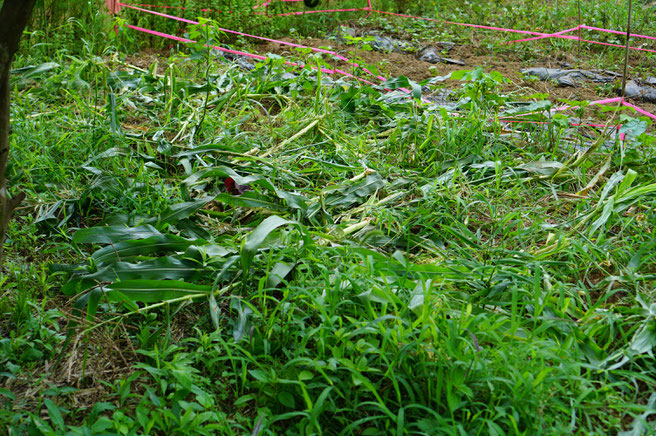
[{"x": 356, "y": 260}]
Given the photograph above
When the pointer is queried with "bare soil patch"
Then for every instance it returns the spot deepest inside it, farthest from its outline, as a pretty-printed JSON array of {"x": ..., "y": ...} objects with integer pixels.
[{"x": 508, "y": 62}]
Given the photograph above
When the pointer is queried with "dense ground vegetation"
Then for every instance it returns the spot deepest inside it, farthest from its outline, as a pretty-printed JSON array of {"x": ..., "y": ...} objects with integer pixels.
[{"x": 210, "y": 250}]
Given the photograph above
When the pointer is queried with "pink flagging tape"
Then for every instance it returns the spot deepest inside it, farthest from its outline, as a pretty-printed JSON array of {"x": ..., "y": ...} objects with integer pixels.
[
  {"x": 291, "y": 44},
  {"x": 565, "y": 107},
  {"x": 260, "y": 57},
  {"x": 562, "y": 35},
  {"x": 616, "y": 127},
  {"x": 252, "y": 55},
  {"x": 619, "y": 100},
  {"x": 182, "y": 8},
  {"x": 549, "y": 35},
  {"x": 617, "y": 32},
  {"x": 160, "y": 14},
  {"x": 614, "y": 45},
  {"x": 319, "y": 11},
  {"x": 478, "y": 26},
  {"x": 607, "y": 100},
  {"x": 640, "y": 110},
  {"x": 185, "y": 40},
  {"x": 539, "y": 35},
  {"x": 118, "y": 5}
]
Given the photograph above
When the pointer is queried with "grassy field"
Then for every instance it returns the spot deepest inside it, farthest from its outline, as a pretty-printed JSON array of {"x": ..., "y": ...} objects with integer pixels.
[{"x": 210, "y": 250}]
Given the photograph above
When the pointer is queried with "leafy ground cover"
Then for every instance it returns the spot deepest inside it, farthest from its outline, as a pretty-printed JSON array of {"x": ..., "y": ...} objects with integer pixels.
[{"x": 212, "y": 250}]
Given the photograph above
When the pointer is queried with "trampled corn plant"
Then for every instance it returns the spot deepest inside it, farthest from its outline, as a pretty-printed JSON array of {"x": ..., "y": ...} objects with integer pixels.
[{"x": 364, "y": 263}]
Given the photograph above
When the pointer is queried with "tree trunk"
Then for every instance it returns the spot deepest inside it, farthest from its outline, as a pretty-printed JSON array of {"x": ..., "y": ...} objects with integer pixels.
[{"x": 14, "y": 16}]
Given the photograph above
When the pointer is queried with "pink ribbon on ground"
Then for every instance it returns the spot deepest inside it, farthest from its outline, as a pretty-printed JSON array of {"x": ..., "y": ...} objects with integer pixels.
[
  {"x": 260, "y": 57},
  {"x": 291, "y": 44},
  {"x": 116, "y": 5},
  {"x": 545, "y": 35},
  {"x": 247, "y": 54},
  {"x": 562, "y": 35},
  {"x": 620, "y": 100},
  {"x": 478, "y": 26},
  {"x": 640, "y": 110},
  {"x": 617, "y": 32}
]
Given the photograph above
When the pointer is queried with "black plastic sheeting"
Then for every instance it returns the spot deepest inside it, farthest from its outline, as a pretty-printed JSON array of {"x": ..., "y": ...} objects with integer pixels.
[
  {"x": 386, "y": 44},
  {"x": 569, "y": 77},
  {"x": 429, "y": 54},
  {"x": 640, "y": 92}
]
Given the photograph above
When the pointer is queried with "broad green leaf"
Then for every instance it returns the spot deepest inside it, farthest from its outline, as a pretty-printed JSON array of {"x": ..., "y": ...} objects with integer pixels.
[
  {"x": 114, "y": 125},
  {"x": 605, "y": 215},
  {"x": 146, "y": 291},
  {"x": 632, "y": 127},
  {"x": 626, "y": 183},
  {"x": 163, "y": 268},
  {"x": 142, "y": 290},
  {"x": 318, "y": 405},
  {"x": 256, "y": 238},
  {"x": 380, "y": 295},
  {"x": 402, "y": 82},
  {"x": 294, "y": 201},
  {"x": 215, "y": 311},
  {"x": 55, "y": 414},
  {"x": 537, "y": 106},
  {"x": 640, "y": 424},
  {"x": 351, "y": 193},
  {"x": 419, "y": 295},
  {"x": 142, "y": 247},
  {"x": 638, "y": 191},
  {"x": 241, "y": 325},
  {"x": 225, "y": 172},
  {"x": 542, "y": 167},
  {"x": 210, "y": 253},
  {"x": 76, "y": 285},
  {"x": 644, "y": 340},
  {"x": 637, "y": 260},
  {"x": 286, "y": 399},
  {"x": 181, "y": 211},
  {"x": 113, "y": 234},
  {"x": 260, "y": 375},
  {"x": 278, "y": 273},
  {"x": 251, "y": 200},
  {"x": 610, "y": 184},
  {"x": 34, "y": 70}
]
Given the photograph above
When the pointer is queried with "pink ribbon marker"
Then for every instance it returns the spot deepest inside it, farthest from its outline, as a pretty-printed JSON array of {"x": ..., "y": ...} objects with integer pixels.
[
  {"x": 290, "y": 44},
  {"x": 115, "y": 6},
  {"x": 616, "y": 32}
]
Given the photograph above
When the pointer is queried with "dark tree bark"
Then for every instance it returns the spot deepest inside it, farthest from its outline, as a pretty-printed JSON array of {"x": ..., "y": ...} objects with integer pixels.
[{"x": 14, "y": 16}]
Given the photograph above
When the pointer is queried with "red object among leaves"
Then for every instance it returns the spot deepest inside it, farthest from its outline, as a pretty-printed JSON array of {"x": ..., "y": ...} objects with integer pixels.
[{"x": 234, "y": 188}]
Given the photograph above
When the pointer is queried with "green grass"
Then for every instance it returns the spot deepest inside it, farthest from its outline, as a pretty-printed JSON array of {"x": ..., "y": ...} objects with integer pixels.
[{"x": 391, "y": 268}]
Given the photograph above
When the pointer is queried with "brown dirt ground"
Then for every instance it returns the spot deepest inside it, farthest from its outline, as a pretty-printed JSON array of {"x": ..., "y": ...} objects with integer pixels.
[{"x": 507, "y": 63}]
